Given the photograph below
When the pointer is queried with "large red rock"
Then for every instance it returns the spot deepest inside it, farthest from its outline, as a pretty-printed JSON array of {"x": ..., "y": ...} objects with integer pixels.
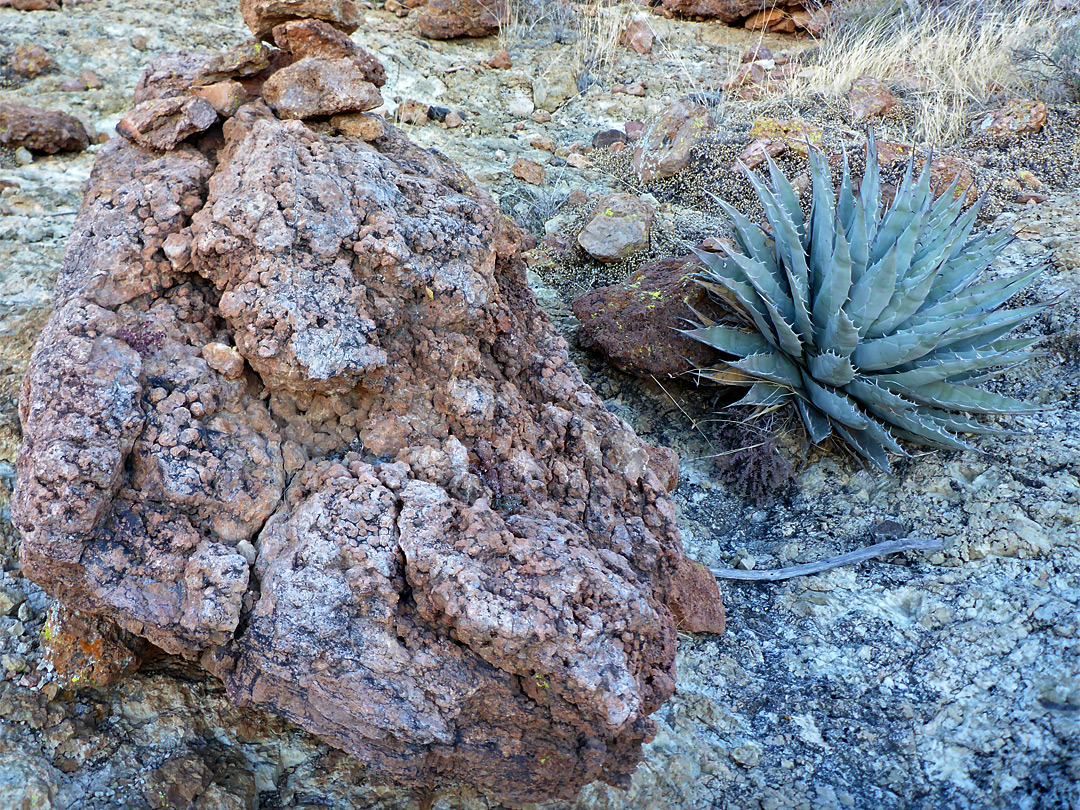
[
  {"x": 668, "y": 143},
  {"x": 40, "y": 130},
  {"x": 450, "y": 19},
  {"x": 317, "y": 86},
  {"x": 298, "y": 416},
  {"x": 162, "y": 123},
  {"x": 728, "y": 11}
]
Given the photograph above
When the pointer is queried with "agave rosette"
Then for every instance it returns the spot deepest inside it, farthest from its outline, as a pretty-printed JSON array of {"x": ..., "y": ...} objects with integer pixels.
[{"x": 873, "y": 320}]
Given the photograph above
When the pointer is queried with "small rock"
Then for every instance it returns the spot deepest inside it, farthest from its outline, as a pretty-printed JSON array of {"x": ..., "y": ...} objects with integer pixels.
[
  {"x": 529, "y": 171},
  {"x": 240, "y": 61},
  {"x": 165, "y": 122},
  {"x": 178, "y": 782},
  {"x": 450, "y": 19},
  {"x": 262, "y": 16},
  {"x": 412, "y": 112},
  {"x": 23, "y": 157},
  {"x": 748, "y": 755},
  {"x": 315, "y": 87},
  {"x": 633, "y": 89},
  {"x": 774, "y": 136},
  {"x": 225, "y": 97},
  {"x": 10, "y": 599},
  {"x": 302, "y": 38},
  {"x": 365, "y": 126},
  {"x": 1017, "y": 117},
  {"x": 756, "y": 54},
  {"x": 770, "y": 19},
  {"x": 578, "y": 161},
  {"x": 695, "y": 598},
  {"x": 747, "y": 74},
  {"x": 453, "y": 121},
  {"x": 618, "y": 228},
  {"x": 520, "y": 107},
  {"x": 436, "y": 113},
  {"x": 544, "y": 144},
  {"x": 139, "y": 42},
  {"x": 554, "y": 87},
  {"x": 634, "y": 130},
  {"x": 35, "y": 5},
  {"x": 541, "y": 117},
  {"x": 634, "y": 324},
  {"x": 39, "y": 130},
  {"x": 30, "y": 60},
  {"x": 12, "y": 663},
  {"x": 91, "y": 79},
  {"x": 667, "y": 143},
  {"x": 500, "y": 61},
  {"x": 224, "y": 359},
  {"x": 606, "y": 137},
  {"x": 75, "y": 85},
  {"x": 638, "y": 36},
  {"x": 870, "y": 98}
]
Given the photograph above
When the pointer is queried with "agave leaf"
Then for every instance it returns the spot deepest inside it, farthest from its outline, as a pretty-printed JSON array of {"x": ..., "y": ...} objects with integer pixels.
[
  {"x": 752, "y": 240},
  {"x": 785, "y": 332},
  {"x": 768, "y": 288},
  {"x": 987, "y": 328},
  {"x": 729, "y": 340},
  {"x": 830, "y": 368},
  {"x": 909, "y": 425},
  {"x": 944, "y": 371},
  {"x": 958, "y": 397},
  {"x": 872, "y": 293},
  {"x": 906, "y": 345},
  {"x": 868, "y": 392},
  {"x": 746, "y": 297},
  {"x": 772, "y": 367},
  {"x": 836, "y": 406},
  {"x": 941, "y": 230},
  {"x": 958, "y": 272},
  {"x": 840, "y": 335},
  {"x": 835, "y": 287},
  {"x": 786, "y": 196},
  {"x": 845, "y": 200},
  {"x": 899, "y": 218},
  {"x": 823, "y": 223},
  {"x": 764, "y": 394},
  {"x": 961, "y": 424},
  {"x": 867, "y": 446},
  {"x": 907, "y": 298},
  {"x": 946, "y": 202},
  {"x": 817, "y": 425},
  {"x": 789, "y": 247},
  {"x": 950, "y": 354},
  {"x": 870, "y": 189},
  {"x": 859, "y": 242},
  {"x": 972, "y": 298}
]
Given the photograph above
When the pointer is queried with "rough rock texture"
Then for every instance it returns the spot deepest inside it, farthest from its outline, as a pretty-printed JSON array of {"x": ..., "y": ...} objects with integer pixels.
[
  {"x": 727, "y": 11},
  {"x": 30, "y": 60},
  {"x": 298, "y": 417},
  {"x": 301, "y": 38},
  {"x": 450, "y": 19},
  {"x": 40, "y": 130},
  {"x": 317, "y": 86},
  {"x": 618, "y": 227},
  {"x": 870, "y": 97},
  {"x": 635, "y": 323},
  {"x": 163, "y": 123},
  {"x": 262, "y": 16},
  {"x": 1017, "y": 117},
  {"x": 666, "y": 146}
]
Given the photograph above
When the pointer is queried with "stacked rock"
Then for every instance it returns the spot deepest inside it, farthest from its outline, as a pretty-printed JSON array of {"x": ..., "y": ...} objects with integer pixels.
[{"x": 297, "y": 415}]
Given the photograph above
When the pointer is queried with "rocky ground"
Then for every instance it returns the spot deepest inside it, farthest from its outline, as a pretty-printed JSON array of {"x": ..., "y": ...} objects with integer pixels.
[{"x": 943, "y": 680}]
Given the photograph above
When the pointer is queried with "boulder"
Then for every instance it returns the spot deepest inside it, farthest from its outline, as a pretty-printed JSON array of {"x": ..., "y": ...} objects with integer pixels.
[
  {"x": 634, "y": 324},
  {"x": 238, "y": 62},
  {"x": 728, "y": 11},
  {"x": 40, "y": 130},
  {"x": 297, "y": 416},
  {"x": 669, "y": 140},
  {"x": 303, "y": 38},
  {"x": 317, "y": 86},
  {"x": 30, "y": 60},
  {"x": 262, "y": 16},
  {"x": 164, "y": 122},
  {"x": 1018, "y": 117},
  {"x": 450, "y": 19},
  {"x": 618, "y": 227}
]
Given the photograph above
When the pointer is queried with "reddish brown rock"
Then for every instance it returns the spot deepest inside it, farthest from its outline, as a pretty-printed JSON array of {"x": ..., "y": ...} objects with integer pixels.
[
  {"x": 262, "y": 16},
  {"x": 169, "y": 75},
  {"x": 302, "y": 38},
  {"x": 301, "y": 379},
  {"x": 638, "y": 36},
  {"x": 450, "y": 19},
  {"x": 728, "y": 11},
  {"x": 870, "y": 98},
  {"x": 87, "y": 651},
  {"x": 411, "y": 112},
  {"x": 695, "y": 601},
  {"x": 165, "y": 122},
  {"x": 30, "y": 60},
  {"x": 35, "y": 5},
  {"x": 365, "y": 126},
  {"x": 241, "y": 61},
  {"x": 618, "y": 227},
  {"x": 669, "y": 140},
  {"x": 529, "y": 171},
  {"x": 40, "y": 130},
  {"x": 1017, "y": 117},
  {"x": 635, "y": 323},
  {"x": 225, "y": 97},
  {"x": 500, "y": 61},
  {"x": 316, "y": 86}
]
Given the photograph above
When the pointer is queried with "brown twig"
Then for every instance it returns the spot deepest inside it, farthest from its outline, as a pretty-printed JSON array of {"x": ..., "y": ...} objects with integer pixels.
[{"x": 851, "y": 558}]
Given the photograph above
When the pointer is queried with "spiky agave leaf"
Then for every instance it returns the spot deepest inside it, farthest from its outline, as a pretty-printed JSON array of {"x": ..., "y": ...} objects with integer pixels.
[{"x": 869, "y": 317}]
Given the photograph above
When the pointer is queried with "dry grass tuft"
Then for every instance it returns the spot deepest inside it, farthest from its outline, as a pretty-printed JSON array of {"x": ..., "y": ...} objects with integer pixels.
[
  {"x": 592, "y": 29},
  {"x": 947, "y": 60}
]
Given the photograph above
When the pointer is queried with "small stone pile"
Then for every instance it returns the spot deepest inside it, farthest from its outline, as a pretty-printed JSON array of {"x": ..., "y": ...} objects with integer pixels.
[{"x": 297, "y": 416}]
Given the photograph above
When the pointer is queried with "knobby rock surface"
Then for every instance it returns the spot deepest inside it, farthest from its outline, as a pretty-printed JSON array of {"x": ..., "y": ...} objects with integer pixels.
[{"x": 297, "y": 416}]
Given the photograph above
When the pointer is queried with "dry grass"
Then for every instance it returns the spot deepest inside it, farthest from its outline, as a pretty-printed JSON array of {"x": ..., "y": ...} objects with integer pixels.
[
  {"x": 590, "y": 29},
  {"x": 947, "y": 61}
]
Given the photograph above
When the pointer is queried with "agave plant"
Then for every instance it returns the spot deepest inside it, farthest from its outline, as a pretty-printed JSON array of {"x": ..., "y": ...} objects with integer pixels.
[{"x": 871, "y": 319}]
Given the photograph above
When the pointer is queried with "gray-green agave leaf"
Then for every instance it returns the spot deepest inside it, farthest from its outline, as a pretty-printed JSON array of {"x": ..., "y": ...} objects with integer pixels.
[{"x": 869, "y": 317}]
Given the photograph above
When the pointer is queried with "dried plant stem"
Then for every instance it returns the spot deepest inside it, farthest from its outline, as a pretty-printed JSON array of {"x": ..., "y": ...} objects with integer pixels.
[{"x": 851, "y": 558}]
